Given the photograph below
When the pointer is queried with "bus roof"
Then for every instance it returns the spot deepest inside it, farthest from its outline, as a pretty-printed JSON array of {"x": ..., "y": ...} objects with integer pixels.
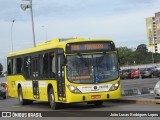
[{"x": 56, "y": 43}]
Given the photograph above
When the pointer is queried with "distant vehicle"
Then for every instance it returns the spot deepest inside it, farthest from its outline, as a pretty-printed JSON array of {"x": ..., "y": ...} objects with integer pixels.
[
  {"x": 156, "y": 72},
  {"x": 150, "y": 72},
  {"x": 125, "y": 74},
  {"x": 146, "y": 72},
  {"x": 157, "y": 90},
  {"x": 135, "y": 73},
  {"x": 2, "y": 92}
]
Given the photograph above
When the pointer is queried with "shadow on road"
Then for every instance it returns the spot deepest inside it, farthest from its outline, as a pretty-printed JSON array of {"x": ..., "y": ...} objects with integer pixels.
[{"x": 75, "y": 106}]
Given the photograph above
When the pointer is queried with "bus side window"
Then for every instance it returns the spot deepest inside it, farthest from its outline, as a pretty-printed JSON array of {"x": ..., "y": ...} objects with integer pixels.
[
  {"x": 27, "y": 66},
  {"x": 45, "y": 65},
  {"x": 19, "y": 65},
  {"x": 14, "y": 66},
  {"x": 9, "y": 66},
  {"x": 41, "y": 66},
  {"x": 52, "y": 65}
]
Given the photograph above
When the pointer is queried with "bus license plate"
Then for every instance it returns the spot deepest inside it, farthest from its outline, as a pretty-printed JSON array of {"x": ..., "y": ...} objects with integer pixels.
[{"x": 95, "y": 96}]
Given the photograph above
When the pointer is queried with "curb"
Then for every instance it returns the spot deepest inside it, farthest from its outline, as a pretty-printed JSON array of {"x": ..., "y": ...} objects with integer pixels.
[{"x": 136, "y": 101}]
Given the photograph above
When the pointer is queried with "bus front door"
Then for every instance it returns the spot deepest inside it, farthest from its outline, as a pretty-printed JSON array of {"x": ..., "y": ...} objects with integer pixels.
[
  {"x": 35, "y": 75},
  {"x": 60, "y": 79}
]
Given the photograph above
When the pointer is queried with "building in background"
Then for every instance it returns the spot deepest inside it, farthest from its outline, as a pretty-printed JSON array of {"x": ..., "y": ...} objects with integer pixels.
[
  {"x": 153, "y": 33},
  {"x": 157, "y": 24},
  {"x": 151, "y": 37}
]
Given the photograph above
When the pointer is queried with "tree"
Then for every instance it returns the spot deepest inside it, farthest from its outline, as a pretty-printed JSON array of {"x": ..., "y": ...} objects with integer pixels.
[
  {"x": 1, "y": 68},
  {"x": 126, "y": 56},
  {"x": 142, "y": 48},
  {"x": 141, "y": 56}
]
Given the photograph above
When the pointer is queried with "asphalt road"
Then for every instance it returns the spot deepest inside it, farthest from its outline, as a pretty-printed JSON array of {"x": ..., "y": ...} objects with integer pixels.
[
  {"x": 12, "y": 104},
  {"x": 79, "y": 111},
  {"x": 139, "y": 83}
]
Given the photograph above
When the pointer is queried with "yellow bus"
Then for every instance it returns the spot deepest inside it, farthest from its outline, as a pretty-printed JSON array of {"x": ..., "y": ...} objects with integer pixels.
[{"x": 65, "y": 71}]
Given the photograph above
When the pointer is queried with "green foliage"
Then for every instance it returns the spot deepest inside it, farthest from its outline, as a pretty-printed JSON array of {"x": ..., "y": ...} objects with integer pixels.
[
  {"x": 139, "y": 56},
  {"x": 142, "y": 48},
  {"x": 126, "y": 56}
]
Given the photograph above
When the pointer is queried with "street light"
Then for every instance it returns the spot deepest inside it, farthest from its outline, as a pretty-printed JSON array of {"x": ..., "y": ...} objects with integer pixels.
[
  {"x": 11, "y": 34},
  {"x": 24, "y": 7},
  {"x": 135, "y": 56}
]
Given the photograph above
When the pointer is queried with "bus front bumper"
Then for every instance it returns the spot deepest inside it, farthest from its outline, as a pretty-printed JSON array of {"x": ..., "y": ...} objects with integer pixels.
[{"x": 86, "y": 97}]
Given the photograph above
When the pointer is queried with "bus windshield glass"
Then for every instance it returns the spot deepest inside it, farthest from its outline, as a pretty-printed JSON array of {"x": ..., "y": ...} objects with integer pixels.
[{"x": 92, "y": 68}]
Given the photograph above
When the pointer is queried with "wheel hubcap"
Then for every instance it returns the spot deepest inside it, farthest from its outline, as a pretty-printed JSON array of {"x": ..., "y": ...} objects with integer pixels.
[
  {"x": 20, "y": 97},
  {"x": 52, "y": 99}
]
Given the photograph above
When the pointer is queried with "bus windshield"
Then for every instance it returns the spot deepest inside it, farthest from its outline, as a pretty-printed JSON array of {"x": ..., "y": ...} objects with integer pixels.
[{"x": 92, "y": 68}]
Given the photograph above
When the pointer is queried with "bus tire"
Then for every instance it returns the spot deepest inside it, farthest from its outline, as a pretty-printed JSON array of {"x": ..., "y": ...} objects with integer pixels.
[
  {"x": 98, "y": 103},
  {"x": 54, "y": 105},
  {"x": 29, "y": 102},
  {"x": 20, "y": 97}
]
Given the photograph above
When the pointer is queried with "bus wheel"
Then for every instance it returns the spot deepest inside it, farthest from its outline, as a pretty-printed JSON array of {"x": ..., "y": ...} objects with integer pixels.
[
  {"x": 54, "y": 105},
  {"x": 20, "y": 97},
  {"x": 29, "y": 102},
  {"x": 98, "y": 103}
]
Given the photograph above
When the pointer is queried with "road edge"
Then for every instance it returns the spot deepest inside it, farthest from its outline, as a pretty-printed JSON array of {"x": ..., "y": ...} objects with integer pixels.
[{"x": 136, "y": 101}]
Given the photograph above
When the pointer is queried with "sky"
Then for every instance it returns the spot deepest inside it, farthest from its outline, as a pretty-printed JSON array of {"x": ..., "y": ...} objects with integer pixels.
[{"x": 123, "y": 21}]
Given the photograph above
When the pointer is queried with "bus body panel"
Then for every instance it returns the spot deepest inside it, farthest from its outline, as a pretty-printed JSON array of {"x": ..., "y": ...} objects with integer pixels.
[
  {"x": 88, "y": 96},
  {"x": 78, "y": 97},
  {"x": 26, "y": 85},
  {"x": 27, "y": 90}
]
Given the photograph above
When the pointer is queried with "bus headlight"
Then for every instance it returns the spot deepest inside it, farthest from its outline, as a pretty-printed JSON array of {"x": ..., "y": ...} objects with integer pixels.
[
  {"x": 115, "y": 86},
  {"x": 73, "y": 89}
]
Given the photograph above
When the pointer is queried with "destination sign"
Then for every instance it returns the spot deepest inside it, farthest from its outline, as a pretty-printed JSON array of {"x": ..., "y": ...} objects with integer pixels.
[{"x": 90, "y": 47}]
